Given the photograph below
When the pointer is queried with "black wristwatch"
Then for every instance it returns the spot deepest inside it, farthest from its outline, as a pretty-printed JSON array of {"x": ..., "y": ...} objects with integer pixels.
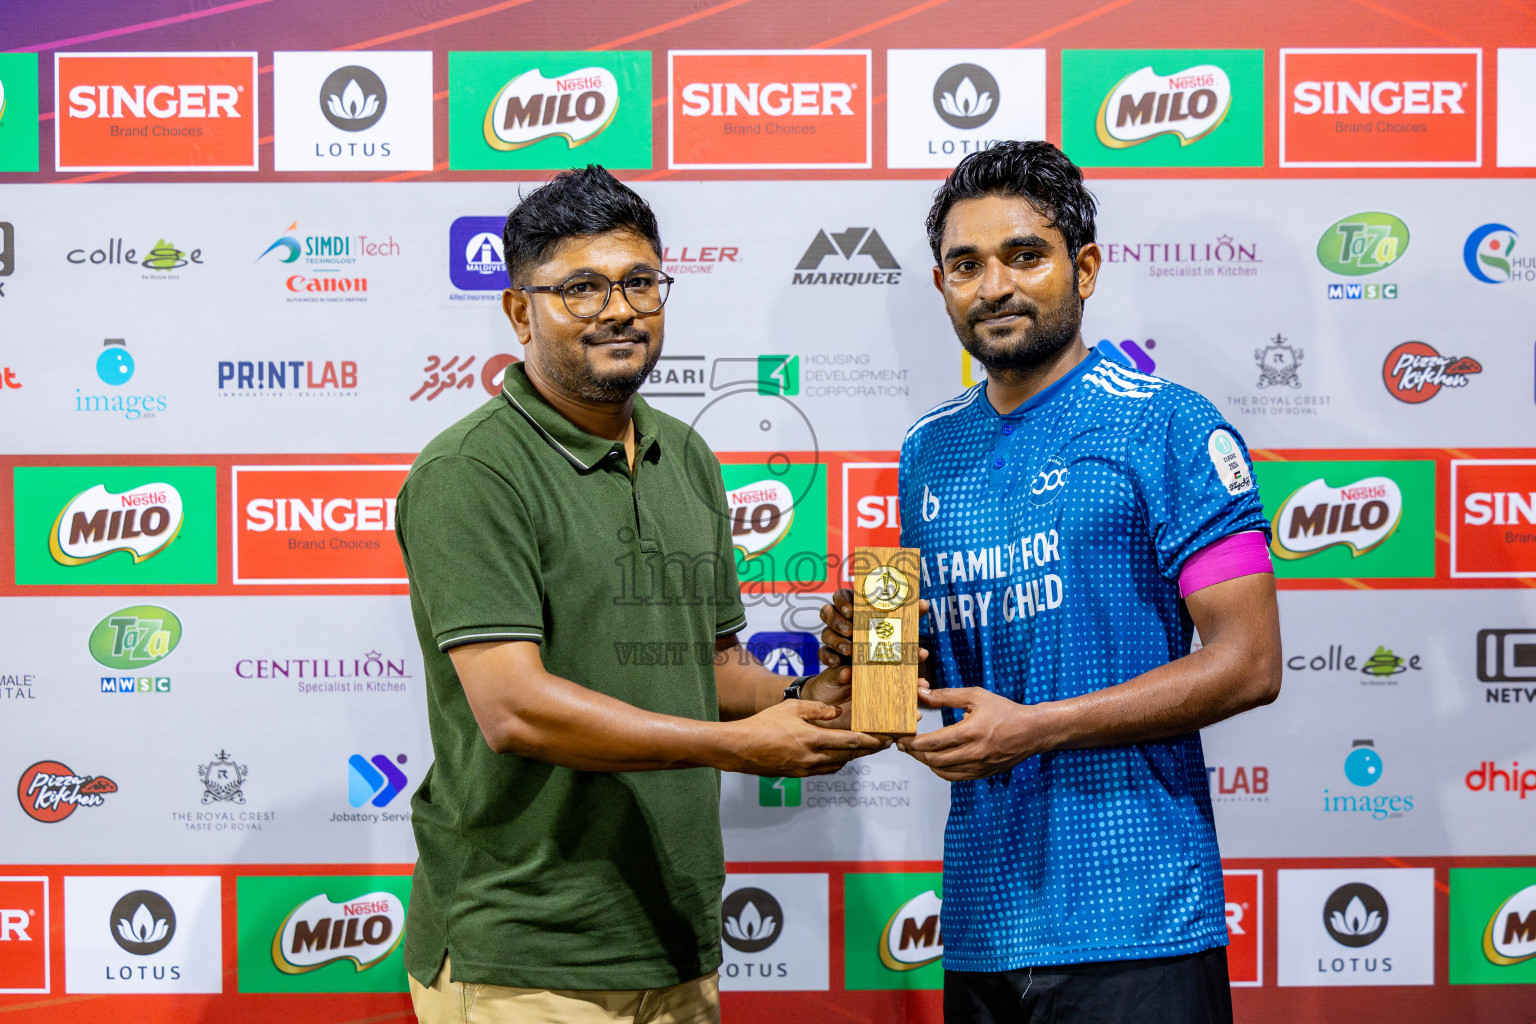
[{"x": 792, "y": 691}]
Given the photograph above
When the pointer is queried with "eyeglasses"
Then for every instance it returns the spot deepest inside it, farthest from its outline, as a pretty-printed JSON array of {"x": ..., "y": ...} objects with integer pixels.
[{"x": 587, "y": 295}]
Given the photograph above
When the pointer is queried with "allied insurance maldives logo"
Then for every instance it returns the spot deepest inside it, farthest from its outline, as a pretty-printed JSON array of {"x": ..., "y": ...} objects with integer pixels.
[
  {"x": 155, "y": 111},
  {"x": 1381, "y": 108},
  {"x": 768, "y": 109}
]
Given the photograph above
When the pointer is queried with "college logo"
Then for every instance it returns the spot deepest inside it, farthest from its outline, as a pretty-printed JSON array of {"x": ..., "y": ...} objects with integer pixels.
[
  {"x": 18, "y": 123},
  {"x": 753, "y": 920},
  {"x": 1414, "y": 372},
  {"x": 768, "y": 109},
  {"x": 1381, "y": 666},
  {"x": 331, "y": 114},
  {"x": 942, "y": 105},
  {"x": 24, "y": 932},
  {"x": 1245, "y": 927},
  {"x": 374, "y": 780},
  {"x": 1493, "y": 518},
  {"x": 1278, "y": 364},
  {"x": 1381, "y": 108},
  {"x": 222, "y": 780},
  {"x": 142, "y": 521},
  {"x": 865, "y": 242},
  {"x": 307, "y": 525},
  {"x": 162, "y": 258},
  {"x": 1350, "y": 519},
  {"x": 530, "y": 110},
  {"x": 317, "y": 932},
  {"x": 143, "y": 922},
  {"x": 156, "y": 111},
  {"x": 1150, "y": 108},
  {"x": 49, "y": 791},
  {"x": 1489, "y": 254},
  {"x": 476, "y": 263}
]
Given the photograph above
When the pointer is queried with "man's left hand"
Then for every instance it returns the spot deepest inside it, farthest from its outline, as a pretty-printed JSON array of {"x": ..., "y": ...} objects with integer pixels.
[
  {"x": 832, "y": 686},
  {"x": 994, "y": 735}
]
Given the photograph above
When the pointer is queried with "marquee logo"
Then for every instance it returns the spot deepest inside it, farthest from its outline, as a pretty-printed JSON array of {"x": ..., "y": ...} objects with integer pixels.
[
  {"x": 1315, "y": 517},
  {"x": 575, "y": 106},
  {"x": 135, "y": 637},
  {"x": 1381, "y": 108},
  {"x": 49, "y": 791},
  {"x": 1493, "y": 518},
  {"x": 1188, "y": 104},
  {"x": 142, "y": 521},
  {"x": 769, "y": 108},
  {"x": 156, "y": 111},
  {"x": 851, "y": 242},
  {"x": 319, "y": 932},
  {"x": 1414, "y": 372},
  {"x": 912, "y": 937},
  {"x": 316, "y": 524}
]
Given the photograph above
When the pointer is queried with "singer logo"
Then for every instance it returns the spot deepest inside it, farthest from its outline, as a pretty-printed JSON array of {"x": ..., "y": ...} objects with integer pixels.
[
  {"x": 871, "y": 512},
  {"x": 769, "y": 109},
  {"x": 24, "y": 935},
  {"x": 155, "y": 111},
  {"x": 311, "y": 525},
  {"x": 1493, "y": 517},
  {"x": 1381, "y": 108}
]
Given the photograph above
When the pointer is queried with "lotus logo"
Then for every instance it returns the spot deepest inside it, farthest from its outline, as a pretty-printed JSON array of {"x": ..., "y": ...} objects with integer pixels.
[
  {"x": 319, "y": 932},
  {"x": 353, "y": 98},
  {"x": 966, "y": 96},
  {"x": 930, "y": 505},
  {"x": 135, "y": 637},
  {"x": 912, "y": 937},
  {"x": 1488, "y": 253},
  {"x": 1188, "y": 105},
  {"x": 530, "y": 108},
  {"x": 753, "y": 920},
  {"x": 761, "y": 514},
  {"x": 1355, "y": 915},
  {"x": 143, "y": 922},
  {"x": 142, "y": 521},
  {"x": 1359, "y": 516},
  {"x": 1510, "y": 937}
]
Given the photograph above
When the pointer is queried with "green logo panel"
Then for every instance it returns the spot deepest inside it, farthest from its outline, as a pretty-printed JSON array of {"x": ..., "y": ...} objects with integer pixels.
[
  {"x": 603, "y": 118},
  {"x": 1362, "y": 243},
  {"x": 42, "y": 494},
  {"x": 890, "y": 914},
  {"x": 344, "y": 947},
  {"x": 1115, "y": 112},
  {"x": 1492, "y": 935},
  {"x": 18, "y": 112},
  {"x": 1403, "y": 546},
  {"x": 776, "y": 792},
  {"x": 778, "y": 521}
]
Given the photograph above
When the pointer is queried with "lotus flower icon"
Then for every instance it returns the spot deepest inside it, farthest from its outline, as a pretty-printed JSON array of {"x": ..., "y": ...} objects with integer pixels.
[
  {"x": 352, "y": 105},
  {"x": 144, "y": 927},
  {"x": 751, "y": 925},
  {"x": 1355, "y": 919},
  {"x": 966, "y": 100},
  {"x": 353, "y": 98}
]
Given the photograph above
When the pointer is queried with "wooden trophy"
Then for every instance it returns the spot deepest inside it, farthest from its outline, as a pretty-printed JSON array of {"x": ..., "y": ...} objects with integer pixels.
[{"x": 885, "y": 652}]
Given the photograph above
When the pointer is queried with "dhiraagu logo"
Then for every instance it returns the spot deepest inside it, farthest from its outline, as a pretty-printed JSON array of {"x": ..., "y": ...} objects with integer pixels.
[
  {"x": 1362, "y": 243},
  {"x": 892, "y": 933},
  {"x": 1350, "y": 520},
  {"x": 778, "y": 520}
]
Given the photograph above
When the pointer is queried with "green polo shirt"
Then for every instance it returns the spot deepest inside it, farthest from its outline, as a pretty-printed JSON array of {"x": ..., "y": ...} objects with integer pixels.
[{"x": 517, "y": 525}]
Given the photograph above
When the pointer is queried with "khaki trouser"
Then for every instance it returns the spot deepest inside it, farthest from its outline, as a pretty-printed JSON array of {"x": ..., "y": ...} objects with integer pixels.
[{"x": 453, "y": 1002}]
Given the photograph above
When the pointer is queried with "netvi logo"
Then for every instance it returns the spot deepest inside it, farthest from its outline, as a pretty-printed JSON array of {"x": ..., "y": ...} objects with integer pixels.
[
  {"x": 319, "y": 932},
  {"x": 912, "y": 937},
  {"x": 135, "y": 637},
  {"x": 1362, "y": 243}
]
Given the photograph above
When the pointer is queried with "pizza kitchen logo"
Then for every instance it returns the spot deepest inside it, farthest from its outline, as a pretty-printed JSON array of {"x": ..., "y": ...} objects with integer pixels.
[
  {"x": 1316, "y": 517},
  {"x": 49, "y": 791},
  {"x": 95, "y": 523},
  {"x": 1188, "y": 104},
  {"x": 1414, "y": 372}
]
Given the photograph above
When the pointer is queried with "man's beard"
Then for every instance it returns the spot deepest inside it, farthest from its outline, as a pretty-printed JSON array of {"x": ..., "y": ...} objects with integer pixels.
[
  {"x": 1045, "y": 334},
  {"x": 575, "y": 374}
]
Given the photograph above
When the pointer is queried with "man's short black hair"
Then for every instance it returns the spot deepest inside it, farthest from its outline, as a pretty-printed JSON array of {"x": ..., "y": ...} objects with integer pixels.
[
  {"x": 1035, "y": 171},
  {"x": 572, "y": 204}
]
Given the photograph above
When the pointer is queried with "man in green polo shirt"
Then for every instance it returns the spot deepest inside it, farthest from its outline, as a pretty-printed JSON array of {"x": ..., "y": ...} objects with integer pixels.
[{"x": 574, "y": 590}]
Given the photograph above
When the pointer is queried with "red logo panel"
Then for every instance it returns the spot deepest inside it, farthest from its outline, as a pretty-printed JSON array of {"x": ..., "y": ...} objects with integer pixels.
[
  {"x": 23, "y": 935},
  {"x": 1245, "y": 927},
  {"x": 316, "y": 524},
  {"x": 871, "y": 512},
  {"x": 1493, "y": 517}
]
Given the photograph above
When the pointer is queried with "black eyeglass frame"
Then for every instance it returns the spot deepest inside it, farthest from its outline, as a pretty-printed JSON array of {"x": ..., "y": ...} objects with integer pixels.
[{"x": 663, "y": 279}]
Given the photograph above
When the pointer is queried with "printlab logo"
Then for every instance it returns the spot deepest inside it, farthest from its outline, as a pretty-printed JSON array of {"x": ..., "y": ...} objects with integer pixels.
[
  {"x": 1278, "y": 364},
  {"x": 1239, "y": 783},
  {"x": 861, "y": 241},
  {"x": 1414, "y": 372},
  {"x": 1355, "y": 915},
  {"x": 374, "y": 780},
  {"x": 49, "y": 791},
  {"x": 222, "y": 780},
  {"x": 1489, "y": 254},
  {"x": 143, "y": 922},
  {"x": 353, "y": 98},
  {"x": 966, "y": 96},
  {"x": 752, "y": 920},
  {"x": 268, "y": 378}
]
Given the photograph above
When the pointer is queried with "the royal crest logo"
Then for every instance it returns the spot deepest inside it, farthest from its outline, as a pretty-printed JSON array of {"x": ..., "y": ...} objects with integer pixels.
[
  {"x": 142, "y": 521},
  {"x": 1359, "y": 516},
  {"x": 1278, "y": 363},
  {"x": 222, "y": 779},
  {"x": 576, "y": 107},
  {"x": 49, "y": 791},
  {"x": 319, "y": 932},
  {"x": 1188, "y": 104}
]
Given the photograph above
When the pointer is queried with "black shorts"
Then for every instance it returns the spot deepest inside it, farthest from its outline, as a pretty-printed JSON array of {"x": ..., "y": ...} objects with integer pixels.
[{"x": 1190, "y": 989}]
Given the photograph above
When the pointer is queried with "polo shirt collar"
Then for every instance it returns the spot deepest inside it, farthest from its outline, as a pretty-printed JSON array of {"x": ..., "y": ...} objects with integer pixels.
[
  {"x": 1044, "y": 398},
  {"x": 581, "y": 449}
]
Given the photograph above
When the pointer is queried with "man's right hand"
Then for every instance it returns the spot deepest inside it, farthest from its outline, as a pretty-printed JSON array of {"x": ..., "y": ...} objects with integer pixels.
[{"x": 784, "y": 740}]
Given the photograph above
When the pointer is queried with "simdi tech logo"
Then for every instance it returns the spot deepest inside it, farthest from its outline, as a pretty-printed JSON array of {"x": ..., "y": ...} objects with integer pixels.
[
  {"x": 549, "y": 110},
  {"x": 1381, "y": 108},
  {"x": 322, "y": 933},
  {"x": 784, "y": 109},
  {"x": 351, "y": 112},
  {"x": 106, "y": 525},
  {"x": 155, "y": 111},
  {"x": 1350, "y": 520},
  {"x": 310, "y": 525},
  {"x": 1492, "y": 926},
  {"x": 1163, "y": 108},
  {"x": 18, "y": 114}
]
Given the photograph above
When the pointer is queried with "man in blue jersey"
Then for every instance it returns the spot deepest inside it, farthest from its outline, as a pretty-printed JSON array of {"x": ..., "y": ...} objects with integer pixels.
[{"x": 1075, "y": 518}]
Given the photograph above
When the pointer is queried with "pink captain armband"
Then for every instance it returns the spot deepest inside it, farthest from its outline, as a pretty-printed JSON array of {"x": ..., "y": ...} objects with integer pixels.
[{"x": 1242, "y": 554}]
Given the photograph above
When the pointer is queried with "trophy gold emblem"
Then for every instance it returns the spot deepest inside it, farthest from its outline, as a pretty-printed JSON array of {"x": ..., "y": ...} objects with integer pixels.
[{"x": 885, "y": 653}]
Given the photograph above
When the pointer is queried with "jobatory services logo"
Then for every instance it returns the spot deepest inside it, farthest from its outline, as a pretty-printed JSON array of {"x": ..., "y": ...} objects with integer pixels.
[
  {"x": 842, "y": 247},
  {"x": 1492, "y": 926},
  {"x": 155, "y": 111},
  {"x": 942, "y": 105},
  {"x": 133, "y": 639},
  {"x": 18, "y": 118},
  {"x": 892, "y": 935},
  {"x": 1245, "y": 926},
  {"x": 1362, "y": 926},
  {"x": 477, "y": 267},
  {"x": 1493, "y": 518},
  {"x": 375, "y": 780},
  {"x": 352, "y": 112},
  {"x": 49, "y": 791},
  {"x": 24, "y": 928},
  {"x": 535, "y": 110},
  {"x": 1359, "y": 245},
  {"x": 223, "y": 779},
  {"x": 115, "y": 367},
  {"x": 1415, "y": 372},
  {"x": 1381, "y": 108},
  {"x": 322, "y": 933},
  {"x": 1163, "y": 108},
  {"x": 774, "y": 933},
  {"x": 103, "y": 525},
  {"x": 1506, "y": 658},
  {"x": 301, "y": 525},
  {"x": 1349, "y": 520},
  {"x": 1489, "y": 253},
  {"x": 768, "y": 109}
]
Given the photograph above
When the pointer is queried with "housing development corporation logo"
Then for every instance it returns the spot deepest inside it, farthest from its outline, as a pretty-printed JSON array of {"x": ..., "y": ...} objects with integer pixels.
[
  {"x": 155, "y": 111},
  {"x": 49, "y": 791},
  {"x": 1493, "y": 518},
  {"x": 847, "y": 244},
  {"x": 1414, "y": 372},
  {"x": 1489, "y": 254},
  {"x": 1346, "y": 520},
  {"x": 1381, "y": 108},
  {"x": 768, "y": 109}
]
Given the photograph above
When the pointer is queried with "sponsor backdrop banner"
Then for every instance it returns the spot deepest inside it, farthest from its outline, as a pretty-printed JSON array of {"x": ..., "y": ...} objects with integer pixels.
[{"x": 276, "y": 273}]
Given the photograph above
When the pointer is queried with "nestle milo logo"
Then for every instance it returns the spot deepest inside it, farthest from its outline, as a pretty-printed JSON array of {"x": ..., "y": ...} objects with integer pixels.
[
  {"x": 135, "y": 637},
  {"x": 1362, "y": 243}
]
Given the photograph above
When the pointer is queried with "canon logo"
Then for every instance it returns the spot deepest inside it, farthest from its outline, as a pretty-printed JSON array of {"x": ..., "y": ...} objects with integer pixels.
[
  {"x": 342, "y": 515},
  {"x": 776, "y": 99},
  {"x": 1378, "y": 98},
  {"x": 162, "y": 101}
]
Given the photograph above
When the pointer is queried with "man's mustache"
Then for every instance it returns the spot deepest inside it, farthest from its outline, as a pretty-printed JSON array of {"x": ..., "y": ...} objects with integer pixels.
[
  {"x": 602, "y": 336},
  {"x": 1014, "y": 307}
]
